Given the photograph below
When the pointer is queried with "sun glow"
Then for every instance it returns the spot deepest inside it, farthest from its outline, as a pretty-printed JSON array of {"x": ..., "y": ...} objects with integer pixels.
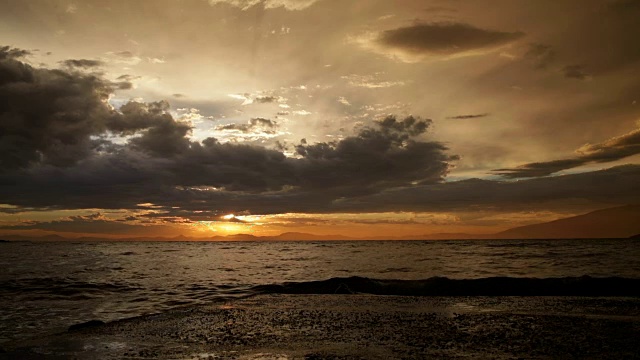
[
  {"x": 223, "y": 228},
  {"x": 233, "y": 228}
]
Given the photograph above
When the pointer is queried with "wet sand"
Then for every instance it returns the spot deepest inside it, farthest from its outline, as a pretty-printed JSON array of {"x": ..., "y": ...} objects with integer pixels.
[{"x": 360, "y": 327}]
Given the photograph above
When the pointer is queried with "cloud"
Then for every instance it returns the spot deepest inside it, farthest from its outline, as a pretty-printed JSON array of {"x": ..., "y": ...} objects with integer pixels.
[
  {"x": 249, "y": 99},
  {"x": 7, "y": 52},
  {"x": 539, "y": 168},
  {"x": 370, "y": 81},
  {"x": 127, "y": 77},
  {"x": 152, "y": 60},
  {"x": 91, "y": 225},
  {"x": 444, "y": 39},
  {"x": 125, "y": 57},
  {"x": 575, "y": 72},
  {"x": 163, "y": 136},
  {"x": 268, "y": 4},
  {"x": 82, "y": 63},
  {"x": 613, "y": 149},
  {"x": 374, "y": 159},
  {"x": 254, "y": 125},
  {"x": 469, "y": 116},
  {"x": 301, "y": 112},
  {"x": 342, "y": 100},
  {"x": 51, "y": 116},
  {"x": 266, "y": 99},
  {"x": 125, "y": 54},
  {"x": 597, "y": 189},
  {"x": 246, "y": 98}
]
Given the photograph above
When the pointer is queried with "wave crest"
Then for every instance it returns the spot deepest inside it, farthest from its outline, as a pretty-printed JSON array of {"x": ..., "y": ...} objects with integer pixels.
[{"x": 442, "y": 286}]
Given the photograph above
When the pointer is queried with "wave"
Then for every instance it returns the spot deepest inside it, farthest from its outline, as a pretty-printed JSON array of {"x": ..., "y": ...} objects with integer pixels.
[
  {"x": 442, "y": 286},
  {"x": 436, "y": 286},
  {"x": 63, "y": 286}
]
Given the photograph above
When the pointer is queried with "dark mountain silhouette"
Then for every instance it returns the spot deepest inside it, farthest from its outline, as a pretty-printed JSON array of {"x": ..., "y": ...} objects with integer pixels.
[
  {"x": 617, "y": 222},
  {"x": 305, "y": 236}
]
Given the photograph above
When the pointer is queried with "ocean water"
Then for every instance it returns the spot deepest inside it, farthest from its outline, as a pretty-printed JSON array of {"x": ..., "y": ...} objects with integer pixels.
[{"x": 47, "y": 286}]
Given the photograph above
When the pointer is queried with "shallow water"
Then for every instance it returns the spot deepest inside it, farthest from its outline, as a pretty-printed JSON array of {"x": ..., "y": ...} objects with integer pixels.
[{"x": 45, "y": 287}]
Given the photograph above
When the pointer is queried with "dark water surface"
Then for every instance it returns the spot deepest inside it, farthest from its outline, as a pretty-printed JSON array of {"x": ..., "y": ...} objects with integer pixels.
[{"x": 45, "y": 287}]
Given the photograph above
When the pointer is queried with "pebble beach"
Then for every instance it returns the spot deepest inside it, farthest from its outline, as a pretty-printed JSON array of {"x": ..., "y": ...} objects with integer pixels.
[{"x": 285, "y": 326}]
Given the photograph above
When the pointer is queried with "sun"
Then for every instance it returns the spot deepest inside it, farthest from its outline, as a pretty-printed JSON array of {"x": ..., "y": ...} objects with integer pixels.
[{"x": 229, "y": 217}]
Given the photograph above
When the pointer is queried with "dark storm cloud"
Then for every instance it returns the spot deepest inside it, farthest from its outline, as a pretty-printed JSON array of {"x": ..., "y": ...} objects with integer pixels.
[
  {"x": 539, "y": 168},
  {"x": 54, "y": 116},
  {"x": 595, "y": 189},
  {"x": 163, "y": 136},
  {"x": 611, "y": 150},
  {"x": 444, "y": 38},
  {"x": 254, "y": 125},
  {"x": 615, "y": 186},
  {"x": 227, "y": 176},
  {"x": 401, "y": 130},
  {"x": 82, "y": 63},
  {"x": 7, "y": 52},
  {"x": 469, "y": 116},
  {"x": 376, "y": 158},
  {"x": 575, "y": 72},
  {"x": 48, "y": 115}
]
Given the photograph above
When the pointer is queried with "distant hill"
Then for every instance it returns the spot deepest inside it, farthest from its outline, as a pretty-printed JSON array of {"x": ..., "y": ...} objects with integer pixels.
[
  {"x": 617, "y": 222},
  {"x": 305, "y": 236},
  {"x": 450, "y": 236}
]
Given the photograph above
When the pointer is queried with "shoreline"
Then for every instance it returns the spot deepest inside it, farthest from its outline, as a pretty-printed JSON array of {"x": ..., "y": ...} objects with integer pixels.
[{"x": 337, "y": 326}]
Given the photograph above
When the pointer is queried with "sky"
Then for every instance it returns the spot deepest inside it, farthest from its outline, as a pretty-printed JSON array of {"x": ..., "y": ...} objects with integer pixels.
[{"x": 355, "y": 117}]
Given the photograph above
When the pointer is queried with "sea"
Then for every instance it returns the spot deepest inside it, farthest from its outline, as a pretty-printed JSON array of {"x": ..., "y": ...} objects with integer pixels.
[{"x": 45, "y": 287}]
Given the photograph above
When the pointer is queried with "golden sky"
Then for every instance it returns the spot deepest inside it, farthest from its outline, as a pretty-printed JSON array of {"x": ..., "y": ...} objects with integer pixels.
[{"x": 356, "y": 117}]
